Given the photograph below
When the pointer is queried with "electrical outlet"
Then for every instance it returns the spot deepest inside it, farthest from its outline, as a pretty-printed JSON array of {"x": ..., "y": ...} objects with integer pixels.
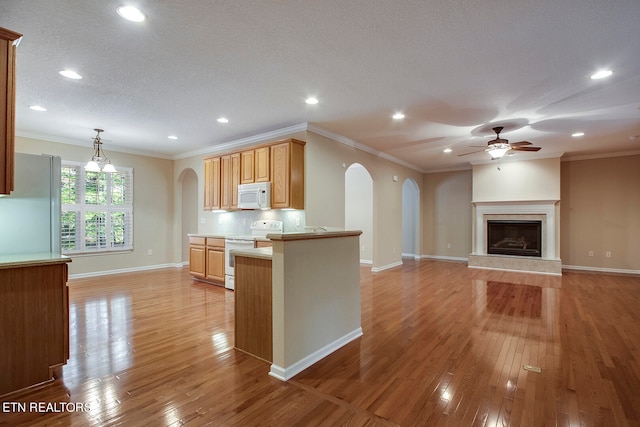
[
  {"x": 363, "y": 247},
  {"x": 149, "y": 251},
  {"x": 590, "y": 253},
  {"x": 448, "y": 245},
  {"x": 203, "y": 220},
  {"x": 607, "y": 254}
]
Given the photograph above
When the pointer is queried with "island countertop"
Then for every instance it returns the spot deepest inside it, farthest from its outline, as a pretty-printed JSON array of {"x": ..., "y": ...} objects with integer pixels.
[
  {"x": 313, "y": 235},
  {"x": 26, "y": 260}
]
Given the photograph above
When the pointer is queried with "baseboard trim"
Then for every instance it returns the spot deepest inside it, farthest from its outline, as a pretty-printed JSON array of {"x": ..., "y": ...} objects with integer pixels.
[
  {"x": 445, "y": 258},
  {"x": 366, "y": 261},
  {"x": 126, "y": 270},
  {"x": 285, "y": 374},
  {"x": 601, "y": 270},
  {"x": 386, "y": 267}
]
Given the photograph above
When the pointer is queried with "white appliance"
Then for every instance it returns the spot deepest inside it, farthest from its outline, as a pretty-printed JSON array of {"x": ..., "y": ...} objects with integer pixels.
[
  {"x": 254, "y": 196},
  {"x": 258, "y": 229},
  {"x": 30, "y": 215}
]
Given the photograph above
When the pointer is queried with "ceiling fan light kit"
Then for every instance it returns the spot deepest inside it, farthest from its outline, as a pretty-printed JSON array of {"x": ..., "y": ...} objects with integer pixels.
[{"x": 498, "y": 147}]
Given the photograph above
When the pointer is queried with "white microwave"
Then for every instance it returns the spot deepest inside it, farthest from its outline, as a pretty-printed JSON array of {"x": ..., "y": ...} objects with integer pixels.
[{"x": 254, "y": 196}]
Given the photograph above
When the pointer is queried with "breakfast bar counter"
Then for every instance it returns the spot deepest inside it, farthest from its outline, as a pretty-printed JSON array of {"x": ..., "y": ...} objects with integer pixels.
[{"x": 299, "y": 301}]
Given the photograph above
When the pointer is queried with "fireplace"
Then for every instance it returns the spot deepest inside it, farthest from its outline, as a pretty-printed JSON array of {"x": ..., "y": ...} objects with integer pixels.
[
  {"x": 537, "y": 258},
  {"x": 514, "y": 237}
]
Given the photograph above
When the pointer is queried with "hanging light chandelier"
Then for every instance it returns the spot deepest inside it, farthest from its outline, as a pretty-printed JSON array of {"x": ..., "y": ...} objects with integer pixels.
[{"x": 99, "y": 161}]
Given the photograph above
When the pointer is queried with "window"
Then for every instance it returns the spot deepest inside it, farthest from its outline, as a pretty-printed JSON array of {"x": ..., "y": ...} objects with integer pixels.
[{"x": 97, "y": 210}]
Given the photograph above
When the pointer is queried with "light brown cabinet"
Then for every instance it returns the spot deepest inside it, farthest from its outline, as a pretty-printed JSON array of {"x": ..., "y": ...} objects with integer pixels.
[
  {"x": 255, "y": 166},
  {"x": 264, "y": 244},
  {"x": 281, "y": 163},
  {"x": 8, "y": 43},
  {"x": 212, "y": 183},
  {"x": 215, "y": 259},
  {"x": 206, "y": 258},
  {"x": 287, "y": 179},
  {"x": 197, "y": 257},
  {"x": 229, "y": 181},
  {"x": 34, "y": 314}
]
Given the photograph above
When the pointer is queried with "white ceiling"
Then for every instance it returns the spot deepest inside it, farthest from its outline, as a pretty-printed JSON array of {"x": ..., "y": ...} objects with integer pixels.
[{"x": 454, "y": 68}]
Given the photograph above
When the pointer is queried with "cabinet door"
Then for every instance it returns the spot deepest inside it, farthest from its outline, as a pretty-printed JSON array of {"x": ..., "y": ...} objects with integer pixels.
[
  {"x": 280, "y": 167},
  {"x": 215, "y": 264},
  {"x": 247, "y": 175},
  {"x": 262, "y": 165},
  {"x": 212, "y": 183},
  {"x": 8, "y": 43},
  {"x": 197, "y": 261},
  {"x": 235, "y": 179},
  {"x": 230, "y": 174},
  {"x": 225, "y": 182}
]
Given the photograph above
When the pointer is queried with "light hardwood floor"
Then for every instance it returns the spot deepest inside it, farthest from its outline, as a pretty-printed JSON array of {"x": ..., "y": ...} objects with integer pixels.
[{"x": 442, "y": 345}]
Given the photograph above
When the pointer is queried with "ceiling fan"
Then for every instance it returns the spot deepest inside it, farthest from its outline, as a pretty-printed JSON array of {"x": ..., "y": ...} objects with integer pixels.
[{"x": 498, "y": 147}]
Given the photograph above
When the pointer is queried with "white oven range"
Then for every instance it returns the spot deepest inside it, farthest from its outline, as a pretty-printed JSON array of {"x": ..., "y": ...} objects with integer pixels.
[{"x": 258, "y": 229}]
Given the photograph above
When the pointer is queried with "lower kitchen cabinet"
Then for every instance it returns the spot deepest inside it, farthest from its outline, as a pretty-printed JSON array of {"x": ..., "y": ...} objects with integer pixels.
[
  {"x": 206, "y": 258},
  {"x": 215, "y": 259}
]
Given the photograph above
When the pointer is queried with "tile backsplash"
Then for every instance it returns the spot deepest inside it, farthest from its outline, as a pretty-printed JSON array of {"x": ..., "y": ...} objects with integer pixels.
[{"x": 238, "y": 222}]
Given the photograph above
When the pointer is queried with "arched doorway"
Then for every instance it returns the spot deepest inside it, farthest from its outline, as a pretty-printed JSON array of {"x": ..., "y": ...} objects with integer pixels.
[
  {"x": 188, "y": 181},
  {"x": 410, "y": 219},
  {"x": 358, "y": 206}
]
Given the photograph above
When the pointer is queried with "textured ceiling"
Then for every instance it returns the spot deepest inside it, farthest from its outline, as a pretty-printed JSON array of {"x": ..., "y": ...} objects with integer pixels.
[{"x": 454, "y": 68}]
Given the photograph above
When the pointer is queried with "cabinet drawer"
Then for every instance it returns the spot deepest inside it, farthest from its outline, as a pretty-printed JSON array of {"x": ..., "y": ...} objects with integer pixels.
[
  {"x": 197, "y": 240},
  {"x": 216, "y": 242}
]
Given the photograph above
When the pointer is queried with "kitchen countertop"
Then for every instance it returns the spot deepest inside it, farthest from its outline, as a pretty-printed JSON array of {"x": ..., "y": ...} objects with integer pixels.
[
  {"x": 313, "y": 235},
  {"x": 26, "y": 260}
]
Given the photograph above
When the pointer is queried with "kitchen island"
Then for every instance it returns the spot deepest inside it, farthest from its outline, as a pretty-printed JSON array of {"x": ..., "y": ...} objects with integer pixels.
[
  {"x": 314, "y": 298},
  {"x": 34, "y": 318}
]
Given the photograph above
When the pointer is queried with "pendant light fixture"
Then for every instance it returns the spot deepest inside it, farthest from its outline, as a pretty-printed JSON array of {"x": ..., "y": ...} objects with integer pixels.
[{"x": 99, "y": 161}]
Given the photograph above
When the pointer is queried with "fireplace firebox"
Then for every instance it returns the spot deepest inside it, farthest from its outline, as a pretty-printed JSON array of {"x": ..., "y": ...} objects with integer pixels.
[{"x": 509, "y": 237}]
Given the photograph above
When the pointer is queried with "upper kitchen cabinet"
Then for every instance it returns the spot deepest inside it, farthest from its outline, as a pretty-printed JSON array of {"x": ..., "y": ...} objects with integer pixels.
[
  {"x": 212, "y": 183},
  {"x": 8, "y": 43},
  {"x": 255, "y": 166},
  {"x": 287, "y": 170},
  {"x": 230, "y": 179}
]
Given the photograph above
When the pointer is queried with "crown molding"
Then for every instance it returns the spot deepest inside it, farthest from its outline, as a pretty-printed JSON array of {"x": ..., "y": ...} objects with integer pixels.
[
  {"x": 354, "y": 144},
  {"x": 244, "y": 142}
]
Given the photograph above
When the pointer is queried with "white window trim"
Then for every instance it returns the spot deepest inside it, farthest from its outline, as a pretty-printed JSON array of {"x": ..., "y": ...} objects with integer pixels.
[{"x": 82, "y": 208}]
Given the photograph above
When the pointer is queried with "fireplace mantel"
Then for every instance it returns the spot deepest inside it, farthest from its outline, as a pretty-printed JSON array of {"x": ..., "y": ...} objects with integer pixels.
[{"x": 546, "y": 211}]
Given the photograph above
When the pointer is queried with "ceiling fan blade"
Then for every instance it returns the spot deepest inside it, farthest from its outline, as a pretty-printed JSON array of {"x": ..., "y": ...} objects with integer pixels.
[
  {"x": 520, "y": 143},
  {"x": 526, "y": 148},
  {"x": 472, "y": 152}
]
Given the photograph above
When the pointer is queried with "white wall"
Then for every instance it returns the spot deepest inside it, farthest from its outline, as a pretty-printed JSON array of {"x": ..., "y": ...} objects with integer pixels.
[
  {"x": 410, "y": 218},
  {"x": 517, "y": 180},
  {"x": 359, "y": 208}
]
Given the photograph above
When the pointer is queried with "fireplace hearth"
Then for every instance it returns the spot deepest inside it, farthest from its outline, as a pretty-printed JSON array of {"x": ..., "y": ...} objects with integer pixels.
[{"x": 519, "y": 238}]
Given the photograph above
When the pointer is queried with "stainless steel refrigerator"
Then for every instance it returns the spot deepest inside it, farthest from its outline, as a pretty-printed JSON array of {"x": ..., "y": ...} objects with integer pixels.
[{"x": 30, "y": 215}]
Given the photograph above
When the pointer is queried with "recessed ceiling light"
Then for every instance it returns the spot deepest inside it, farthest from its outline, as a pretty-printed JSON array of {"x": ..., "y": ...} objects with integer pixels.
[
  {"x": 602, "y": 74},
  {"x": 130, "y": 13},
  {"x": 223, "y": 120},
  {"x": 311, "y": 100},
  {"x": 70, "y": 74},
  {"x": 447, "y": 150},
  {"x": 172, "y": 137},
  {"x": 37, "y": 108},
  {"x": 398, "y": 116},
  {"x": 577, "y": 134}
]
